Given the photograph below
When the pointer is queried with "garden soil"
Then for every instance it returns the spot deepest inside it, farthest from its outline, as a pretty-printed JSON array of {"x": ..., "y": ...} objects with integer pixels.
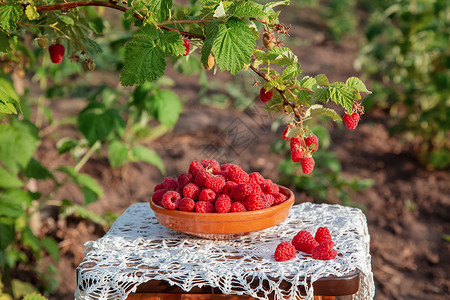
[{"x": 407, "y": 208}]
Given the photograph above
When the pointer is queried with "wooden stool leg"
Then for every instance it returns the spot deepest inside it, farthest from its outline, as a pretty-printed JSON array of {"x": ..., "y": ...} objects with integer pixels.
[
  {"x": 324, "y": 298},
  {"x": 154, "y": 296}
]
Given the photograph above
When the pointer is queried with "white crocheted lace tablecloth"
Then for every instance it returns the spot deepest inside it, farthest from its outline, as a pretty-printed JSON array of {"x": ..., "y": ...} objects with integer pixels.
[{"x": 137, "y": 249}]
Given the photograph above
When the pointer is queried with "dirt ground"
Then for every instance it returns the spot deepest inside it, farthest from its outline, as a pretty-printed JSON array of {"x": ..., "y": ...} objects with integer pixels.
[{"x": 408, "y": 207}]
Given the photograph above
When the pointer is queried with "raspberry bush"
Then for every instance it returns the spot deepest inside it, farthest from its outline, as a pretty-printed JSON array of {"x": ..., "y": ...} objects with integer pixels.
[{"x": 56, "y": 40}]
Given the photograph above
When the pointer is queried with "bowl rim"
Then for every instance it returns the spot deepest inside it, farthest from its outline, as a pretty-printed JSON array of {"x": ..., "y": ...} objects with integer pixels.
[{"x": 288, "y": 202}]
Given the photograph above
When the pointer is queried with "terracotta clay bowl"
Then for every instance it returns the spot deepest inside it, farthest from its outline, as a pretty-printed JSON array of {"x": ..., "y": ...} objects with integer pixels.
[{"x": 224, "y": 226}]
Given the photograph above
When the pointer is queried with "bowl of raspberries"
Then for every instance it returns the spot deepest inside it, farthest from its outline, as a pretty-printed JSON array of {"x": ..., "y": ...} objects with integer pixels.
[{"x": 219, "y": 201}]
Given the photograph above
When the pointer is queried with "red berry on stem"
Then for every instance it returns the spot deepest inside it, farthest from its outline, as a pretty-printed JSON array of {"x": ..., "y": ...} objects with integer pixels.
[
  {"x": 187, "y": 45},
  {"x": 265, "y": 96},
  {"x": 307, "y": 164},
  {"x": 351, "y": 121},
  {"x": 312, "y": 140},
  {"x": 56, "y": 53},
  {"x": 285, "y": 132}
]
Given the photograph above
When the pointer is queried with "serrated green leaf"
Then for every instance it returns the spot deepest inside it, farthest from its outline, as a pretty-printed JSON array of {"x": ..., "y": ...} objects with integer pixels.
[
  {"x": 291, "y": 72},
  {"x": 13, "y": 203},
  {"x": 31, "y": 12},
  {"x": 69, "y": 170},
  {"x": 233, "y": 45},
  {"x": 161, "y": 9},
  {"x": 88, "y": 195},
  {"x": 149, "y": 156},
  {"x": 51, "y": 246},
  {"x": 144, "y": 60},
  {"x": 117, "y": 153},
  {"x": 282, "y": 56},
  {"x": 342, "y": 95},
  {"x": 317, "y": 109},
  {"x": 8, "y": 180},
  {"x": 271, "y": 5},
  {"x": 308, "y": 83},
  {"x": 95, "y": 126},
  {"x": 7, "y": 103},
  {"x": 7, "y": 235},
  {"x": 171, "y": 43},
  {"x": 322, "y": 94},
  {"x": 65, "y": 18},
  {"x": 10, "y": 15},
  {"x": 247, "y": 9},
  {"x": 321, "y": 79},
  {"x": 165, "y": 106},
  {"x": 357, "y": 84},
  {"x": 212, "y": 28}
]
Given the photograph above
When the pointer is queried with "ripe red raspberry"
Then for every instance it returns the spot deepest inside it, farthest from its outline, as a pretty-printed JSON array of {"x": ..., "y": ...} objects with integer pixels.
[
  {"x": 351, "y": 121},
  {"x": 297, "y": 154},
  {"x": 223, "y": 204},
  {"x": 285, "y": 132},
  {"x": 56, "y": 53},
  {"x": 187, "y": 45},
  {"x": 237, "y": 207},
  {"x": 279, "y": 198},
  {"x": 207, "y": 195},
  {"x": 242, "y": 191},
  {"x": 211, "y": 164},
  {"x": 322, "y": 235},
  {"x": 195, "y": 167},
  {"x": 256, "y": 177},
  {"x": 307, "y": 164},
  {"x": 171, "y": 199},
  {"x": 229, "y": 188},
  {"x": 268, "y": 200},
  {"x": 304, "y": 241},
  {"x": 201, "y": 177},
  {"x": 186, "y": 204},
  {"x": 191, "y": 191},
  {"x": 170, "y": 184},
  {"x": 254, "y": 202},
  {"x": 215, "y": 183},
  {"x": 297, "y": 143},
  {"x": 269, "y": 187},
  {"x": 236, "y": 174},
  {"x": 159, "y": 186},
  {"x": 324, "y": 251},
  {"x": 204, "y": 207},
  {"x": 265, "y": 96},
  {"x": 312, "y": 140},
  {"x": 285, "y": 251},
  {"x": 184, "y": 179},
  {"x": 158, "y": 196}
]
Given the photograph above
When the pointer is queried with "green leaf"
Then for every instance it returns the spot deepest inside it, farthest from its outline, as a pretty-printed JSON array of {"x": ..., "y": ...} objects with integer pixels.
[
  {"x": 69, "y": 170},
  {"x": 212, "y": 28},
  {"x": 11, "y": 206},
  {"x": 89, "y": 196},
  {"x": 8, "y": 180},
  {"x": 308, "y": 83},
  {"x": 171, "y": 43},
  {"x": 293, "y": 132},
  {"x": 34, "y": 296},
  {"x": 322, "y": 94},
  {"x": 342, "y": 95},
  {"x": 31, "y": 12},
  {"x": 7, "y": 103},
  {"x": 36, "y": 170},
  {"x": 247, "y": 9},
  {"x": 66, "y": 145},
  {"x": 161, "y": 9},
  {"x": 357, "y": 84},
  {"x": 87, "y": 181},
  {"x": 96, "y": 124},
  {"x": 282, "y": 56},
  {"x": 165, "y": 106},
  {"x": 144, "y": 60},
  {"x": 117, "y": 153},
  {"x": 149, "y": 156},
  {"x": 31, "y": 240},
  {"x": 7, "y": 236},
  {"x": 317, "y": 109},
  {"x": 291, "y": 72},
  {"x": 233, "y": 45},
  {"x": 51, "y": 246},
  {"x": 321, "y": 79},
  {"x": 68, "y": 209},
  {"x": 65, "y": 18},
  {"x": 10, "y": 15},
  {"x": 18, "y": 143}
]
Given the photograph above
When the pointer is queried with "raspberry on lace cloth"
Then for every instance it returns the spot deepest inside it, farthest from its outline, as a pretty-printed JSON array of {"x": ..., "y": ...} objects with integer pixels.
[{"x": 137, "y": 249}]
